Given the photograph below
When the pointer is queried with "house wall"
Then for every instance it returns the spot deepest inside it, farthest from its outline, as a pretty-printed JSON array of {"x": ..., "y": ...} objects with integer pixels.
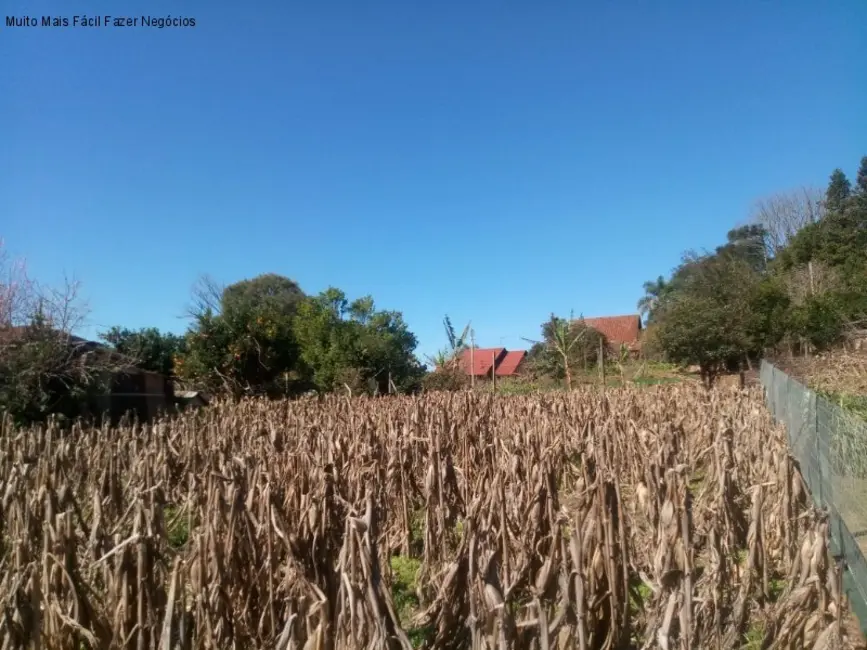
[{"x": 144, "y": 394}]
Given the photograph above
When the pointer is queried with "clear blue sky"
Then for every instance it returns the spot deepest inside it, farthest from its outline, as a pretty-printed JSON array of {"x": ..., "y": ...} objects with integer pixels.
[{"x": 493, "y": 161}]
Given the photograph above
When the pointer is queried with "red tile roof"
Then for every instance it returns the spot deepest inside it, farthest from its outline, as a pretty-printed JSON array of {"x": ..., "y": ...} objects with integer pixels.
[
  {"x": 505, "y": 363},
  {"x": 482, "y": 359},
  {"x": 617, "y": 329},
  {"x": 509, "y": 365}
]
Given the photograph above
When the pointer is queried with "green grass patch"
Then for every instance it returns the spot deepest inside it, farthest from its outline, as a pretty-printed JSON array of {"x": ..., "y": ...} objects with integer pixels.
[
  {"x": 855, "y": 404},
  {"x": 403, "y": 591},
  {"x": 755, "y": 636},
  {"x": 697, "y": 481},
  {"x": 177, "y": 527},
  {"x": 776, "y": 587},
  {"x": 639, "y": 595}
]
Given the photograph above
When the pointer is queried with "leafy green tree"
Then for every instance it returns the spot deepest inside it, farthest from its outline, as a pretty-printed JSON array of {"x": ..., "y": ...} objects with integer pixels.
[
  {"x": 710, "y": 320},
  {"x": 768, "y": 305},
  {"x": 819, "y": 320},
  {"x": 248, "y": 347},
  {"x": 861, "y": 179},
  {"x": 353, "y": 344},
  {"x": 268, "y": 292},
  {"x": 746, "y": 244},
  {"x": 837, "y": 244},
  {"x": 732, "y": 305},
  {"x": 149, "y": 348},
  {"x": 839, "y": 190}
]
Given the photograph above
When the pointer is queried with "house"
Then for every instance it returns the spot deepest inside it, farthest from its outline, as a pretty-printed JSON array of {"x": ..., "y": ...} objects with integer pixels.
[
  {"x": 129, "y": 389},
  {"x": 619, "y": 330},
  {"x": 478, "y": 362}
]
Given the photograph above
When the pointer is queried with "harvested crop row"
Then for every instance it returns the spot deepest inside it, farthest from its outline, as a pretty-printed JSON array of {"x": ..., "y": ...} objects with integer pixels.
[{"x": 667, "y": 517}]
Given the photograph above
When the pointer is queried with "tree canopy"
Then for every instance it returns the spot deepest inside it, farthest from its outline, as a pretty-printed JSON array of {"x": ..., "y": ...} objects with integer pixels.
[
  {"x": 149, "y": 348},
  {"x": 792, "y": 279},
  {"x": 269, "y": 338}
]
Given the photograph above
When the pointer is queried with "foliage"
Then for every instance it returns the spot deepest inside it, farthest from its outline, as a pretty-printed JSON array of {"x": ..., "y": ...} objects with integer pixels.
[
  {"x": 445, "y": 379},
  {"x": 654, "y": 292},
  {"x": 45, "y": 372},
  {"x": 268, "y": 292},
  {"x": 354, "y": 345},
  {"x": 449, "y": 357},
  {"x": 248, "y": 347},
  {"x": 149, "y": 348},
  {"x": 802, "y": 282},
  {"x": 566, "y": 346},
  {"x": 267, "y": 337}
]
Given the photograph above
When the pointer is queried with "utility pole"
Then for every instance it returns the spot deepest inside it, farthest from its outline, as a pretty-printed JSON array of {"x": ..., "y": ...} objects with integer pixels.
[{"x": 472, "y": 359}]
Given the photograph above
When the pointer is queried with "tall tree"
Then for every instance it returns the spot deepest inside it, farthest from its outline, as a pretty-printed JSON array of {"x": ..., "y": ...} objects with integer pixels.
[
  {"x": 44, "y": 369},
  {"x": 839, "y": 190},
  {"x": 710, "y": 319},
  {"x": 248, "y": 346},
  {"x": 784, "y": 214},
  {"x": 654, "y": 291},
  {"x": 354, "y": 345},
  {"x": 861, "y": 179},
  {"x": 797, "y": 274},
  {"x": 449, "y": 357}
]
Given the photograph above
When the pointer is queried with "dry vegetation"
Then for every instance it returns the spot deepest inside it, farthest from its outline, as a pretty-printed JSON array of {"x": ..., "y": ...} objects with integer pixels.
[
  {"x": 840, "y": 375},
  {"x": 664, "y": 517}
]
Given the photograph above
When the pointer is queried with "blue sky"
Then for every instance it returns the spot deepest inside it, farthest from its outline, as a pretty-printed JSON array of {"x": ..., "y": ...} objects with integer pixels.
[{"x": 491, "y": 161}]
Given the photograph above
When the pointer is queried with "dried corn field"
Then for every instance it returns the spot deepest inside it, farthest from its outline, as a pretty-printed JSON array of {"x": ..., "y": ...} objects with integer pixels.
[{"x": 668, "y": 517}]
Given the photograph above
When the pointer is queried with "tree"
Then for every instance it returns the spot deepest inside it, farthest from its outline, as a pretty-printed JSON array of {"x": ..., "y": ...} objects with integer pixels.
[
  {"x": 269, "y": 292},
  {"x": 828, "y": 257},
  {"x": 244, "y": 343},
  {"x": 44, "y": 368},
  {"x": 798, "y": 273},
  {"x": 449, "y": 358},
  {"x": 746, "y": 244},
  {"x": 784, "y": 214},
  {"x": 149, "y": 348},
  {"x": 353, "y": 345},
  {"x": 654, "y": 292},
  {"x": 838, "y": 192},
  {"x": 861, "y": 179},
  {"x": 710, "y": 319}
]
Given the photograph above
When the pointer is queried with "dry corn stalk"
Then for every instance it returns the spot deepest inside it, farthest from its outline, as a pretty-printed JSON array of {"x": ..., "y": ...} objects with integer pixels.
[{"x": 669, "y": 517}]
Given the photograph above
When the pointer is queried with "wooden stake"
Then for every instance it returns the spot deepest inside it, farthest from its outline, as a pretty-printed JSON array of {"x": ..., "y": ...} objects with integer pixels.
[{"x": 601, "y": 362}]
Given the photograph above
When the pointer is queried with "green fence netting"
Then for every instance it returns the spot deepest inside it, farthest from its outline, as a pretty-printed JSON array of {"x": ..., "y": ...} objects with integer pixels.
[{"x": 830, "y": 444}]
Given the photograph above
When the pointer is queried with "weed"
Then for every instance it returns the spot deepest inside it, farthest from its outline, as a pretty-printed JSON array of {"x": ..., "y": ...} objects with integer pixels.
[
  {"x": 177, "y": 527},
  {"x": 405, "y": 572},
  {"x": 755, "y": 636}
]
